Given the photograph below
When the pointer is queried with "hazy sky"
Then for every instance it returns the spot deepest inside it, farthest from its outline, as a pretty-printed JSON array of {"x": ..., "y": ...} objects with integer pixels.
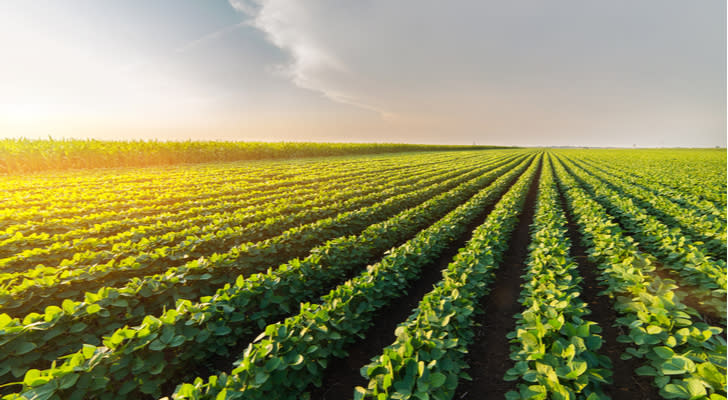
[{"x": 558, "y": 72}]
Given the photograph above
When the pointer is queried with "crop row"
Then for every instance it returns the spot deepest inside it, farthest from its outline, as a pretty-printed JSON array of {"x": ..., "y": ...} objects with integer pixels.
[
  {"x": 174, "y": 190},
  {"x": 174, "y": 249},
  {"x": 73, "y": 252},
  {"x": 685, "y": 357},
  {"x": 675, "y": 252},
  {"x": 694, "y": 172},
  {"x": 179, "y": 202},
  {"x": 692, "y": 203},
  {"x": 291, "y": 355},
  {"x": 427, "y": 358},
  {"x": 191, "y": 212},
  {"x": 142, "y": 358},
  {"x": 28, "y": 191},
  {"x": 92, "y": 250},
  {"x": 24, "y": 155},
  {"x": 555, "y": 348},
  {"x": 121, "y": 305},
  {"x": 34, "y": 295},
  {"x": 697, "y": 228}
]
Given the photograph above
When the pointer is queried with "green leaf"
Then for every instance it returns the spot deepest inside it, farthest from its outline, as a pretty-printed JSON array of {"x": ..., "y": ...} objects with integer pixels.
[
  {"x": 167, "y": 334},
  {"x": 404, "y": 386},
  {"x": 273, "y": 364},
  {"x": 120, "y": 303},
  {"x": 695, "y": 387},
  {"x": 52, "y": 311},
  {"x": 261, "y": 377},
  {"x": 677, "y": 365},
  {"x": 157, "y": 345},
  {"x": 177, "y": 340},
  {"x": 23, "y": 348},
  {"x": 149, "y": 386},
  {"x": 298, "y": 360},
  {"x": 223, "y": 330},
  {"x": 513, "y": 395},
  {"x": 661, "y": 381},
  {"x": 93, "y": 308},
  {"x": 43, "y": 392},
  {"x": 530, "y": 376},
  {"x": 359, "y": 393},
  {"x": 437, "y": 379},
  {"x": 646, "y": 370},
  {"x": 88, "y": 351},
  {"x": 67, "y": 381},
  {"x": 77, "y": 327},
  {"x": 157, "y": 367},
  {"x": 653, "y": 329},
  {"x": 68, "y": 306},
  {"x": 676, "y": 391},
  {"x": 127, "y": 387},
  {"x": 578, "y": 369},
  {"x": 711, "y": 375},
  {"x": 664, "y": 352},
  {"x": 31, "y": 376}
]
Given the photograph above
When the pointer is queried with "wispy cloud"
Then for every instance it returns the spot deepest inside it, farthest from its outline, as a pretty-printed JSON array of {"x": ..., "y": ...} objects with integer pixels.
[
  {"x": 209, "y": 37},
  {"x": 310, "y": 60},
  {"x": 136, "y": 65},
  {"x": 249, "y": 7},
  {"x": 580, "y": 67}
]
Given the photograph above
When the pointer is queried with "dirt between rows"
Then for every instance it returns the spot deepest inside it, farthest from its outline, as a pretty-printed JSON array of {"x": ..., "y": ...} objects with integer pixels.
[
  {"x": 343, "y": 374},
  {"x": 627, "y": 385},
  {"x": 489, "y": 354},
  {"x": 216, "y": 364},
  {"x": 684, "y": 290}
]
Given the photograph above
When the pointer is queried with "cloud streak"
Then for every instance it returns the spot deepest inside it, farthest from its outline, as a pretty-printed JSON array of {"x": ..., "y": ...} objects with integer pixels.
[
  {"x": 565, "y": 65},
  {"x": 288, "y": 25},
  {"x": 209, "y": 37}
]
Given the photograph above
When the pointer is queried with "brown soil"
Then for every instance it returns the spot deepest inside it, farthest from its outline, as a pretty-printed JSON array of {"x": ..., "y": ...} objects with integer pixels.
[
  {"x": 684, "y": 290},
  {"x": 342, "y": 375},
  {"x": 627, "y": 385},
  {"x": 489, "y": 354}
]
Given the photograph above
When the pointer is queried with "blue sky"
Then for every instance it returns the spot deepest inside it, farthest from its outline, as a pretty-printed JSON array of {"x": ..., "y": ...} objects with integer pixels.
[{"x": 564, "y": 72}]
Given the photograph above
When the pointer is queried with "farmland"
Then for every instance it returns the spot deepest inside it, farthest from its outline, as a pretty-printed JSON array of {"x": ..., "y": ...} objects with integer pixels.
[{"x": 520, "y": 273}]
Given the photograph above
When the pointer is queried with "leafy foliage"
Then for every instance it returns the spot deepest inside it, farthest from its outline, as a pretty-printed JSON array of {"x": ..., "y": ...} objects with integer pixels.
[
  {"x": 292, "y": 354},
  {"x": 138, "y": 301},
  {"x": 426, "y": 360},
  {"x": 555, "y": 348},
  {"x": 687, "y": 358},
  {"x": 28, "y": 155},
  {"x": 122, "y": 282}
]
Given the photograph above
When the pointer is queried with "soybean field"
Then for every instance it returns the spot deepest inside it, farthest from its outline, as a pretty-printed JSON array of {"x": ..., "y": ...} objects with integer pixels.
[{"x": 472, "y": 274}]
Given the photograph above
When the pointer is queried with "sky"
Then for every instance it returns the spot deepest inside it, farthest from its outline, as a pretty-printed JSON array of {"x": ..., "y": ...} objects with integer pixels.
[{"x": 648, "y": 73}]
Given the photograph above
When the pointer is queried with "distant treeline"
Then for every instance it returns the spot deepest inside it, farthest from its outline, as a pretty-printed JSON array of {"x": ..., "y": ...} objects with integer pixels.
[{"x": 31, "y": 155}]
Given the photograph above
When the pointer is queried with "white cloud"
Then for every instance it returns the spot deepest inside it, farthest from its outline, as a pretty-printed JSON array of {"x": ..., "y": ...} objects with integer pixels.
[
  {"x": 209, "y": 37},
  {"x": 249, "y": 7},
  {"x": 571, "y": 64},
  {"x": 287, "y": 25}
]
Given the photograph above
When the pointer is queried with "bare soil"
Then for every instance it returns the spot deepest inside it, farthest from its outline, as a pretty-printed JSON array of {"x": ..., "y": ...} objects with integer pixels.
[
  {"x": 627, "y": 385},
  {"x": 343, "y": 375},
  {"x": 489, "y": 354}
]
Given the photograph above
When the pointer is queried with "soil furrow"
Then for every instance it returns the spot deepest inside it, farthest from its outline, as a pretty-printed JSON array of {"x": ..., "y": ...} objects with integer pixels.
[
  {"x": 489, "y": 354},
  {"x": 705, "y": 313},
  {"x": 213, "y": 365},
  {"x": 627, "y": 384},
  {"x": 688, "y": 296},
  {"x": 708, "y": 242},
  {"x": 343, "y": 373}
]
